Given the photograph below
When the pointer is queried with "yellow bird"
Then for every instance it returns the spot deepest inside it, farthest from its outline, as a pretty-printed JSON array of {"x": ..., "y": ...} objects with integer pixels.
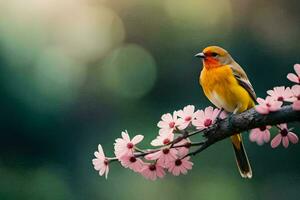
[{"x": 227, "y": 86}]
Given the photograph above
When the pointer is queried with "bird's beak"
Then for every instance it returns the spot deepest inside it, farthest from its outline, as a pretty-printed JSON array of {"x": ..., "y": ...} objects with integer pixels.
[{"x": 200, "y": 55}]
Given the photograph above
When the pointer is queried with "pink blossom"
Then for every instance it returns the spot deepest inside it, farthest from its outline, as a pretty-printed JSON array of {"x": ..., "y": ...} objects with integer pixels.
[
  {"x": 296, "y": 101},
  {"x": 168, "y": 123},
  {"x": 205, "y": 118},
  {"x": 180, "y": 166},
  {"x": 296, "y": 105},
  {"x": 152, "y": 171},
  {"x": 101, "y": 162},
  {"x": 281, "y": 94},
  {"x": 182, "y": 151},
  {"x": 267, "y": 105},
  {"x": 124, "y": 145},
  {"x": 131, "y": 162},
  {"x": 295, "y": 77},
  {"x": 163, "y": 156},
  {"x": 285, "y": 136},
  {"x": 187, "y": 115},
  {"x": 163, "y": 139},
  {"x": 260, "y": 135}
]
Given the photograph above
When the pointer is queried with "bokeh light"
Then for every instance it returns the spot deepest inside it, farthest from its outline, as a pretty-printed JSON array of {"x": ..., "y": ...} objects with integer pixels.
[
  {"x": 129, "y": 71},
  {"x": 57, "y": 78},
  {"x": 205, "y": 15},
  {"x": 90, "y": 33}
]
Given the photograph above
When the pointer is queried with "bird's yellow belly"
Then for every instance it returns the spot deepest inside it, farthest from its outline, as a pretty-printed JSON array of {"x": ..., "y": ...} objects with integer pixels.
[{"x": 223, "y": 90}]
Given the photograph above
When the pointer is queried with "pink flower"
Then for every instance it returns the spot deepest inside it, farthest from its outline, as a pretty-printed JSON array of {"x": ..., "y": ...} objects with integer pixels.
[
  {"x": 267, "y": 105},
  {"x": 131, "y": 162},
  {"x": 101, "y": 162},
  {"x": 281, "y": 94},
  {"x": 296, "y": 105},
  {"x": 152, "y": 171},
  {"x": 182, "y": 151},
  {"x": 164, "y": 139},
  {"x": 124, "y": 145},
  {"x": 163, "y": 156},
  {"x": 187, "y": 115},
  {"x": 293, "y": 77},
  {"x": 284, "y": 136},
  {"x": 205, "y": 118},
  {"x": 180, "y": 166},
  {"x": 260, "y": 135},
  {"x": 168, "y": 123},
  {"x": 296, "y": 101}
]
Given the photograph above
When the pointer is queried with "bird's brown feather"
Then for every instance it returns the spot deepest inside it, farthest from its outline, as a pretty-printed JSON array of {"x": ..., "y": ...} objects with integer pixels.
[{"x": 242, "y": 79}]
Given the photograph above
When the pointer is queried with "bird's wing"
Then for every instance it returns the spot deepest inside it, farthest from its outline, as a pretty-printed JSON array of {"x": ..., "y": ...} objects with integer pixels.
[{"x": 242, "y": 79}]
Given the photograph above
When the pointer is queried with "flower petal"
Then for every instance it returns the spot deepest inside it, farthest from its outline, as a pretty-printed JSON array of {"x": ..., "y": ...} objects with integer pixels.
[
  {"x": 208, "y": 112},
  {"x": 283, "y": 126},
  {"x": 253, "y": 135},
  {"x": 167, "y": 117},
  {"x": 297, "y": 69},
  {"x": 285, "y": 141},
  {"x": 260, "y": 100},
  {"x": 125, "y": 136},
  {"x": 276, "y": 105},
  {"x": 266, "y": 136},
  {"x": 262, "y": 109},
  {"x": 189, "y": 110},
  {"x": 100, "y": 152},
  {"x": 276, "y": 141},
  {"x": 293, "y": 137},
  {"x": 292, "y": 77},
  {"x": 137, "y": 139},
  {"x": 296, "y": 105}
]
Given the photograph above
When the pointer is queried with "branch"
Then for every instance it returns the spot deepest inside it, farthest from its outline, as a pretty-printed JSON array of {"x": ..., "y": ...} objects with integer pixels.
[{"x": 245, "y": 121}]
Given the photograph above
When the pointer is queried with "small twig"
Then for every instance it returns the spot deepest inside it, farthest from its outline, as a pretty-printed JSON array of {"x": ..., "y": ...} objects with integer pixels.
[{"x": 201, "y": 148}]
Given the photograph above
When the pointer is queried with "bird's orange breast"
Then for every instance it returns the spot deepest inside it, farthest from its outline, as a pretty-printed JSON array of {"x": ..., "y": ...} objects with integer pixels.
[{"x": 222, "y": 89}]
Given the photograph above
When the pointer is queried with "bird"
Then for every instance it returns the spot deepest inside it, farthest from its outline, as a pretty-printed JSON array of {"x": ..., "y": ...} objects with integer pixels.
[{"x": 226, "y": 85}]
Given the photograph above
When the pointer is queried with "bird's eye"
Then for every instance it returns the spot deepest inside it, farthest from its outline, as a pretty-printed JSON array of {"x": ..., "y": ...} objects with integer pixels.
[{"x": 213, "y": 54}]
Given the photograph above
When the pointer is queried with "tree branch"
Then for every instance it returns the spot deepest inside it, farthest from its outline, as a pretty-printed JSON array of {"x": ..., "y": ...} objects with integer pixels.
[{"x": 245, "y": 121}]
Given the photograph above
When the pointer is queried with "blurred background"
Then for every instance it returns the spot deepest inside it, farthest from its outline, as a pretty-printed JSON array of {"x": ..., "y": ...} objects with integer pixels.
[{"x": 75, "y": 73}]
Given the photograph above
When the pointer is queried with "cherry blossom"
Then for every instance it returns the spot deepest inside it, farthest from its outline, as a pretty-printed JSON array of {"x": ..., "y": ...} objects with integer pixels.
[
  {"x": 163, "y": 156},
  {"x": 285, "y": 136},
  {"x": 267, "y": 105},
  {"x": 164, "y": 139},
  {"x": 101, "y": 162},
  {"x": 152, "y": 171},
  {"x": 124, "y": 145},
  {"x": 296, "y": 92},
  {"x": 295, "y": 77},
  {"x": 131, "y": 162},
  {"x": 168, "y": 123},
  {"x": 187, "y": 115},
  {"x": 205, "y": 118},
  {"x": 260, "y": 135},
  {"x": 186, "y": 144},
  {"x": 180, "y": 166},
  {"x": 281, "y": 94}
]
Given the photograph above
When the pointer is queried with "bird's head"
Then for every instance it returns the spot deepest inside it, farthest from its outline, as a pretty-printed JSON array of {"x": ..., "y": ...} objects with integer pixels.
[{"x": 214, "y": 56}]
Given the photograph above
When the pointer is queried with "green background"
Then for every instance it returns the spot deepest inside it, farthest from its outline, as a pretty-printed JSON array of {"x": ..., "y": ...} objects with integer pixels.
[{"x": 74, "y": 74}]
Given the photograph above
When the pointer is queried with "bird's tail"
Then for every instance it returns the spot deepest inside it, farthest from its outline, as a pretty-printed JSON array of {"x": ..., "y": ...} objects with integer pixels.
[{"x": 241, "y": 156}]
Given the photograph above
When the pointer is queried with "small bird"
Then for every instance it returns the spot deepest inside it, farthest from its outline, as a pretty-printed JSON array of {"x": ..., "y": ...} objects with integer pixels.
[{"x": 227, "y": 86}]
